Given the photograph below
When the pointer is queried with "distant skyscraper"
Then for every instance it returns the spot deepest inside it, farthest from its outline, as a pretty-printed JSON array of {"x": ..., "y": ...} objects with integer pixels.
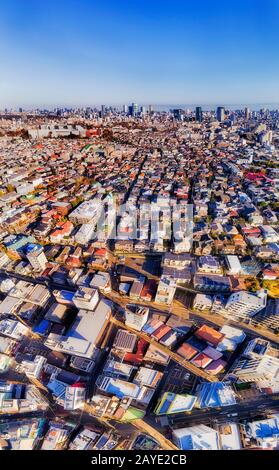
[
  {"x": 247, "y": 113},
  {"x": 103, "y": 110},
  {"x": 150, "y": 109},
  {"x": 143, "y": 109},
  {"x": 199, "y": 116},
  {"x": 125, "y": 109},
  {"x": 220, "y": 113},
  {"x": 133, "y": 109},
  {"x": 178, "y": 114}
]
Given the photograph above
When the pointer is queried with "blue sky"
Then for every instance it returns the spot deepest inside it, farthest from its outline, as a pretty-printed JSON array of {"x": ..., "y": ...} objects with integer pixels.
[{"x": 79, "y": 52}]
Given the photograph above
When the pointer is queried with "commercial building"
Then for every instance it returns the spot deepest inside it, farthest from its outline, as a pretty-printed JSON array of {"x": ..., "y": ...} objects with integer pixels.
[
  {"x": 214, "y": 395},
  {"x": 36, "y": 257},
  {"x": 244, "y": 304},
  {"x": 84, "y": 336},
  {"x": 85, "y": 233},
  {"x": 233, "y": 264},
  {"x": 21, "y": 434},
  {"x": 57, "y": 435},
  {"x": 84, "y": 440},
  {"x": 88, "y": 212},
  {"x": 74, "y": 397},
  {"x": 56, "y": 313},
  {"x": 264, "y": 432},
  {"x": 199, "y": 116},
  {"x": 118, "y": 387},
  {"x": 148, "y": 377},
  {"x": 202, "y": 302},
  {"x": 256, "y": 348},
  {"x": 200, "y": 437},
  {"x": 172, "y": 403},
  {"x": 220, "y": 113},
  {"x": 86, "y": 298},
  {"x": 13, "y": 329},
  {"x": 136, "y": 316},
  {"x": 118, "y": 369},
  {"x": 125, "y": 341},
  {"x": 264, "y": 371},
  {"x": 230, "y": 436}
]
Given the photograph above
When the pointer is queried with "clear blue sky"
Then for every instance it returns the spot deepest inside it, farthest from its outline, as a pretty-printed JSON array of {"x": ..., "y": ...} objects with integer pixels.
[{"x": 78, "y": 52}]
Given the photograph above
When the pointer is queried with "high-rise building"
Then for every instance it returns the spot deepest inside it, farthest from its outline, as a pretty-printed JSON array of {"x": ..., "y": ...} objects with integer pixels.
[
  {"x": 36, "y": 257},
  {"x": 220, "y": 113},
  {"x": 133, "y": 109},
  {"x": 125, "y": 109},
  {"x": 178, "y": 114},
  {"x": 247, "y": 113},
  {"x": 199, "y": 116},
  {"x": 103, "y": 110}
]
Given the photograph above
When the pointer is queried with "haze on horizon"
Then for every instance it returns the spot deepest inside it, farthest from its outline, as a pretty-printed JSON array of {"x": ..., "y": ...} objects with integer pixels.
[{"x": 82, "y": 52}]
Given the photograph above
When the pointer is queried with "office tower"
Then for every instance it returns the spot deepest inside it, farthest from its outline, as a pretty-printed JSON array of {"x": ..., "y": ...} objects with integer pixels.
[
  {"x": 36, "y": 257},
  {"x": 125, "y": 109},
  {"x": 103, "y": 110},
  {"x": 136, "y": 316},
  {"x": 199, "y": 114},
  {"x": 150, "y": 109},
  {"x": 133, "y": 109},
  {"x": 247, "y": 113},
  {"x": 178, "y": 114},
  {"x": 220, "y": 113},
  {"x": 143, "y": 110},
  {"x": 88, "y": 112}
]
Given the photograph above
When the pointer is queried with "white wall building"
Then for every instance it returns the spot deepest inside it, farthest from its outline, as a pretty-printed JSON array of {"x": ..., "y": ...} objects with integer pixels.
[
  {"x": 37, "y": 258},
  {"x": 233, "y": 264},
  {"x": 265, "y": 370},
  {"x": 202, "y": 302},
  {"x": 136, "y": 316},
  {"x": 166, "y": 290},
  {"x": 199, "y": 437},
  {"x": 244, "y": 304},
  {"x": 85, "y": 233},
  {"x": 86, "y": 298}
]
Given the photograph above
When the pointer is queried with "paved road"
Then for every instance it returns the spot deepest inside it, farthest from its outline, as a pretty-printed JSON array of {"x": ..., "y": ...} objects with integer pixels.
[
  {"x": 190, "y": 367},
  {"x": 177, "y": 309}
]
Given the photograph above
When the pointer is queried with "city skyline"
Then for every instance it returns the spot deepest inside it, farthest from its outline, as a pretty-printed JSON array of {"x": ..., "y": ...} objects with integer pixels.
[{"x": 82, "y": 53}]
